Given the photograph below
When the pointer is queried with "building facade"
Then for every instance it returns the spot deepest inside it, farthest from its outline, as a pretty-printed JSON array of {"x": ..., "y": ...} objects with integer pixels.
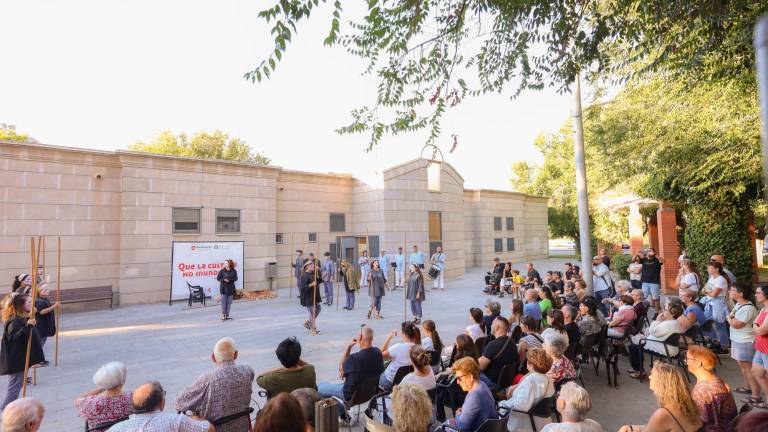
[{"x": 119, "y": 212}]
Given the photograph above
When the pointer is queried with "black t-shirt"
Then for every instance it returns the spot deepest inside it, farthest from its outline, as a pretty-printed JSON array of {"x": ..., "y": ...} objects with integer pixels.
[
  {"x": 46, "y": 324},
  {"x": 360, "y": 366},
  {"x": 533, "y": 275},
  {"x": 651, "y": 271},
  {"x": 492, "y": 350},
  {"x": 574, "y": 335},
  {"x": 569, "y": 274},
  {"x": 607, "y": 261}
]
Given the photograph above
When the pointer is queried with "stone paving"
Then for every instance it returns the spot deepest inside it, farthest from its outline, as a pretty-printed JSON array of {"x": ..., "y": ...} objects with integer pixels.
[{"x": 173, "y": 345}]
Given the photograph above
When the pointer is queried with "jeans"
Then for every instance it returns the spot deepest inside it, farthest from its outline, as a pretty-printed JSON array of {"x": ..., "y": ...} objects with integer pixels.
[
  {"x": 350, "y": 300},
  {"x": 416, "y": 308},
  {"x": 313, "y": 309},
  {"x": 651, "y": 290},
  {"x": 600, "y": 295},
  {"x": 329, "y": 293},
  {"x": 385, "y": 383},
  {"x": 330, "y": 390},
  {"x": 636, "y": 284},
  {"x": 14, "y": 387},
  {"x": 226, "y": 303},
  {"x": 636, "y": 357},
  {"x": 376, "y": 303}
]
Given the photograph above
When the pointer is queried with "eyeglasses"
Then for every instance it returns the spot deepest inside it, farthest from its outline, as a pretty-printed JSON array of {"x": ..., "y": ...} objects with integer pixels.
[{"x": 459, "y": 378}]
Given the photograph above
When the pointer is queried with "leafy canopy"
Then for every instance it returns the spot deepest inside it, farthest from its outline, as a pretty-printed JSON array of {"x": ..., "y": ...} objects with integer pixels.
[
  {"x": 206, "y": 145},
  {"x": 8, "y": 133},
  {"x": 431, "y": 54}
]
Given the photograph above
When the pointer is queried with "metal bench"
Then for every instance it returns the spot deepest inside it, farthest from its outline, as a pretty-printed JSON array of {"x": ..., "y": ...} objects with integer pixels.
[{"x": 88, "y": 294}]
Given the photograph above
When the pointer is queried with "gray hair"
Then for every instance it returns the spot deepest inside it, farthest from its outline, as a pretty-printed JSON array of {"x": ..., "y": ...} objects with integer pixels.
[
  {"x": 21, "y": 412},
  {"x": 493, "y": 306},
  {"x": 367, "y": 333},
  {"x": 623, "y": 283},
  {"x": 225, "y": 349},
  {"x": 307, "y": 398},
  {"x": 557, "y": 341},
  {"x": 572, "y": 311},
  {"x": 577, "y": 402},
  {"x": 110, "y": 376},
  {"x": 639, "y": 291}
]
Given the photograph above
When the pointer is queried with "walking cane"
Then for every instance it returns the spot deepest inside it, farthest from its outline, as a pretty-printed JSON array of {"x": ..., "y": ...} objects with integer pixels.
[
  {"x": 31, "y": 314},
  {"x": 58, "y": 299}
]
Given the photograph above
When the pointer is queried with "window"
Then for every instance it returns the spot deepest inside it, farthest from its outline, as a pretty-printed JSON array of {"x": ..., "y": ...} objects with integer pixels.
[
  {"x": 337, "y": 222},
  {"x": 497, "y": 224},
  {"x": 312, "y": 238},
  {"x": 433, "y": 176},
  {"x": 498, "y": 246},
  {"x": 435, "y": 222},
  {"x": 510, "y": 244},
  {"x": 373, "y": 246},
  {"x": 186, "y": 220},
  {"x": 279, "y": 238},
  {"x": 510, "y": 224},
  {"x": 227, "y": 221}
]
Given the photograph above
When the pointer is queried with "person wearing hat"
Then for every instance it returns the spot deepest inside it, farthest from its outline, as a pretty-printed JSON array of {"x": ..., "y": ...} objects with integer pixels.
[
  {"x": 22, "y": 284},
  {"x": 309, "y": 294}
]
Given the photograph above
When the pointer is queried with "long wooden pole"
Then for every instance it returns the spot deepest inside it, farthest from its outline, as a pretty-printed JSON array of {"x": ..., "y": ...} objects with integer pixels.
[
  {"x": 336, "y": 276},
  {"x": 295, "y": 270},
  {"x": 31, "y": 315},
  {"x": 317, "y": 288},
  {"x": 58, "y": 299},
  {"x": 405, "y": 282}
]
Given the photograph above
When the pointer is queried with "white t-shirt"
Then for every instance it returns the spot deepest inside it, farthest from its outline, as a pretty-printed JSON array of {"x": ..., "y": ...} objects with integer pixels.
[
  {"x": 426, "y": 382},
  {"x": 745, "y": 313},
  {"x": 400, "y": 353},
  {"x": 634, "y": 267},
  {"x": 475, "y": 331},
  {"x": 427, "y": 344},
  {"x": 718, "y": 282},
  {"x": 690, "y": 280},
  {"x": 587, "y": 425}
]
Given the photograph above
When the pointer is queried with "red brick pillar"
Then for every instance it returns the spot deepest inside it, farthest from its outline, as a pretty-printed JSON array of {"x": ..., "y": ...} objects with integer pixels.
[
  {"x": 635, "y": 229},
  {"x": 653, "y": 234},
  {"x": 669, "y": 249}
]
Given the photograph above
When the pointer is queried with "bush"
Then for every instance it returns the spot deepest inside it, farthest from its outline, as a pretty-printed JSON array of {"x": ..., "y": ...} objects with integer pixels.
[{"x": 620, "y": 263}]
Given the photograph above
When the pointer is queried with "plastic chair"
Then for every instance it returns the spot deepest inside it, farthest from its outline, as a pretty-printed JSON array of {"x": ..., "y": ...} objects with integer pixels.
[
  {"x": 489, "y": 425},
  {"x": 542, "y": 408},
  {"x": 196, "y": 294},
  {"x": 506, "y": 377},
  {"x": 105, "y": 425},
  {"x": 363, "y": 394}
]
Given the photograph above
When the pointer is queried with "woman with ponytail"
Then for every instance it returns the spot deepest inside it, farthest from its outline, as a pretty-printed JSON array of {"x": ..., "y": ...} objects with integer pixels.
[
  {"x": 422, "y": 374},
  {"x": 13, "y": 351}
]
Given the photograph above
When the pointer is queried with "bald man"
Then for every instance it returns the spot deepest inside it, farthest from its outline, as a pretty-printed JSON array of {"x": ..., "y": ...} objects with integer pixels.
[
  {"x": 23, "y": 415},
  {"x": 148, "y": 405}
]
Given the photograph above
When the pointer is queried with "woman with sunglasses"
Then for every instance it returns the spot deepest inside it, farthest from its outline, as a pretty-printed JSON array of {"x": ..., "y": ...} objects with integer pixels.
[{"x": 479, "y": 405}]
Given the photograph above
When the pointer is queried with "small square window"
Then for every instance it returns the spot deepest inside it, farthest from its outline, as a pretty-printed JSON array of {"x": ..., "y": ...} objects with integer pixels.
[
  {"x": 510, "y": 224},
  {"x": 498, "y": 245},
  {"x": 497, "y": 224},
  {"x": 227, "y": 221},
  {"x": 279, "y": 238},
  {"x": 337, "y": 222},
  {"x": 510, "y": 244},
  {"x": 312, "y": 237},
  {"x": 186, "y": 220}
]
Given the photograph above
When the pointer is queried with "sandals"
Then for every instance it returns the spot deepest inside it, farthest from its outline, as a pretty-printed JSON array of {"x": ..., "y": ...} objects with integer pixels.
[
  {"x": 742, "y": 390},
  {"x": 753, "y": 401},
  {"x": 761, "y": 404}
]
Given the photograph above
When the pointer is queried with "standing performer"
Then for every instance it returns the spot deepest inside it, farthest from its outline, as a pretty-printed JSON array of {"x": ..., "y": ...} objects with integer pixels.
[
  {"x": 416, "y": 292},
  {"x": 399, "y": 262},
  {"x": 438, "y": 261},
  {"x": 45, "y": 315},
  {"x": 365, "y": 268},
  {"x": 416, "y": 258},
  {"x": 297, "y": 267},
  {"x": 227, "y": 277},
  {"x": 309, "y": 295},
  {"x": 13, "y": 351},
  {"x": 22, "y": 283},
  {"x": 347, "y": 278},
  {"x": 378, "y": 284},
  {"x": 384, "y": 263},
  {"x": 328, "y": 272}
]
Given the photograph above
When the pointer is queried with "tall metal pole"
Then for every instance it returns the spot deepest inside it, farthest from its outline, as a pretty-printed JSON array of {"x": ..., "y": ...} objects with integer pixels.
[
  {"x": 761, "y": 56},
  {"x": 585, "y": 237}
]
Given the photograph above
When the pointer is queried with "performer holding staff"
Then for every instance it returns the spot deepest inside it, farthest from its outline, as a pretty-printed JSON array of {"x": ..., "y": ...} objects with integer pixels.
[
  {"x": 416, "y": 292},
  {"x": 328, "y": 272},
  {"x": 365, "y": 268},
  {"x": 399, "y": 265},
  {"x": 309, "y": 295},
  {"x": 378, "y": 284},
  {"x": 227, "y": 277},
  {"x": 348, "y": 279},
  {"x": 45, "y": 315},
  {"x": 438, "y": 265},
  {"x": 13, "y": 351}
]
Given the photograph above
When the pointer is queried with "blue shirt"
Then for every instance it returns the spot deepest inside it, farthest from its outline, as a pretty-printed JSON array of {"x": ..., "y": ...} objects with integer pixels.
[
  {"x": 533, "y": 309},
  {"x": 384, "y": 263},
  {"x": 416, "y": 258},
  {"x": 478, "y": 407},
  {"x": 365, "y": 263},
  {"x": 700, "y": 318},
  {"x": 400, "y": 261}
]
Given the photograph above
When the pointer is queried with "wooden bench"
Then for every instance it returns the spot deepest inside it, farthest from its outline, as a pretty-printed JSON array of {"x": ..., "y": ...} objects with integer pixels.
[{"x": 88, "y": 294}]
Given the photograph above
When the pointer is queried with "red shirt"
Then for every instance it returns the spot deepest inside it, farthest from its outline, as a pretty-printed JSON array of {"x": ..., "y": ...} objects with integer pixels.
[{"x": 761, "y": 342}]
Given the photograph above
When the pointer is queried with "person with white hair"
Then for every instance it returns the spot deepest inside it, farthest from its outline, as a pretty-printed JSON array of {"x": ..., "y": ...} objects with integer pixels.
[
  {"x": 106, "y": 403},
  {"x": 23, "y": 415},
  {"x": 555, "y": 345},
  {"x": 573, "y": 404},
  {"x": 224, "y": 391}
]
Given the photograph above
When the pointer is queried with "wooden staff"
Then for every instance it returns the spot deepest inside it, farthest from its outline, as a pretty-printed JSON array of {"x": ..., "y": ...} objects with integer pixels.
[
  {"x": 338, "y": 268},
  {"x": 290, "y": 254},
  {"x": 317, "y": 287},
  {"x": 31, "y": 314},
  {"x": 405, "y": 282},
  {"x": 58, "y": 299}
]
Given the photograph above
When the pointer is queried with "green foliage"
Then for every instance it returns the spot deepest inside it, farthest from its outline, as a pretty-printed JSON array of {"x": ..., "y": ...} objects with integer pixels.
[
  {"x": 563, "y": 223},
  {"x": 8, "y": 133},
  {"x": 620, "y": 262},
  {"x": 213, "y": 145},
  {"x": 431, "y": 54}
]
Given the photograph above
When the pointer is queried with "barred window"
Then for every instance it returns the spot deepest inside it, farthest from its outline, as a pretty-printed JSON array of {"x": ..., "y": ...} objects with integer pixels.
[
  {"x": 279, "y": 238},
  {"x": 510, "y": 244},
  {"x": 312, "y": 237},
  {"x": 186, "y": 220},
  {"x": 498, "y": 245},
  {"x": 497, "y": 223},
  {"x": 510, "y": 224},
  {"x": 337, "y": 222},
  {"x": 227, "y": 221}
]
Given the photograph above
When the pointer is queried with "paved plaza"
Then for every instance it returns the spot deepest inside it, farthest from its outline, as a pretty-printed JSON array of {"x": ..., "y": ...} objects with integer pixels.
[{"x": 173, "y": 345}]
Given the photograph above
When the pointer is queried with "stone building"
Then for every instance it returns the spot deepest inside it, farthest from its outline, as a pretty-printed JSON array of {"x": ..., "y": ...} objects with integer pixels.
[{"x": 119, "y": 212}]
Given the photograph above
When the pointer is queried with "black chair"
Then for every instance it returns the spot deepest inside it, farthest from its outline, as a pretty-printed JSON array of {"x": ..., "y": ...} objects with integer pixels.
[
  {"x": 105, "y": 425},
  {"x": 382, "y": 394},
  {"x": 489, "y": 425},
  {"x": 434, "y": 358},
  {"x": 616, "y": 347},
  {"x": 506, "y": 378},
  {"x": 363, "y": 394},
  {"x": 673, "y": 341},
  {"x": 542, "y": 408},
  {"x": 196, "y": 294},
  {"x": 232, "y": 417}
]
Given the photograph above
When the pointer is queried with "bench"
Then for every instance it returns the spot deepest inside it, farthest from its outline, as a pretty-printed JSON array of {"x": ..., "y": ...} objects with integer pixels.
[{"x": 81, "y": 295}]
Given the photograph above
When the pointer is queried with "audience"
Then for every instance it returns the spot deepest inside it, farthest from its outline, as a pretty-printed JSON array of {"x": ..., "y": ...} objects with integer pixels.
[
  {"x": 590, "y": 319},
  {"x": 534, "y": 387},
  {"x": 531, "y": 338},
  {"x": 556, "y": 323},
  {"x": 531, "y": 306},
  {"x": 107, "y": 402},
  {"x": 294, "y": 372},
  {"x": 693, "y": 314},
  {"x": 573, "y": 403},
  {"x": 555, "y": 346},
  {"x": 712, "y": 395},
  {"x": 224, "y": 391},
  {"x": 571, "y": 328},
  {"x": 431, "y": 340},
  {"x": 464, "y": 347},
  {"x": 664, "y": 326},
  {"x": 569, "y": 293},
  {"x": 355, "y": 368},
  {"x": 398, "y": 354},
  {"x": 148, "y": 415},
  {"x": 742, "y": 335},
  {"x": 622, "y": 318},
  {"x": 23, "y": 415},
  {"x": 422, "y": 374},
  {"x": 499, "y": 352},
  {"x": 580, "y": 287},
  {"x": 492, "y": 309},
  {"x": 282, "y": 413},
  {"x": 479, "y": 405},
  {"x": 516, "y": 309},
  {"x": 411, "y": 411},
  {"x": 677, "y": 410},
  {"x": 476, "y": 329},
  {"x": 547, "y": 302},
  {"x": 622, "y": 288},
  {"x": 307, "y": 398},
  {"x": 637, "y": 302}
]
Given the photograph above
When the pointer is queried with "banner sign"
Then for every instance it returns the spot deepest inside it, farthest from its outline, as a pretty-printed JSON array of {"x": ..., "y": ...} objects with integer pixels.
[{"x": 198, "y": 263}]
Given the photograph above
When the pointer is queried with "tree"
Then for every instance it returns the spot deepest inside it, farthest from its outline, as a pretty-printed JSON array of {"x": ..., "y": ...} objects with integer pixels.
[
  {"x": 431, "y": 54},
  {"x": 213, "y": 145},
  {"x": 8, "y": 133}
]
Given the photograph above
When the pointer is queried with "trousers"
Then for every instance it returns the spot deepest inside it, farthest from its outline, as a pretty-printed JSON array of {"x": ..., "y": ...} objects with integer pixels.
[
  {"x": 376, "y": 303},
  {"x": 14, "y": 387},
  {"x": 226, "y": 303},
  {"x": 399, "y": 273},
  {"x": 636, "y": 357},
  {"x": 600, "y": 295},
  {"x": 439, "y": 282},
  {"x": 416, "y": 308},
  {"x": 329, "y": 292},
  {"x": 350, "y": 300}
]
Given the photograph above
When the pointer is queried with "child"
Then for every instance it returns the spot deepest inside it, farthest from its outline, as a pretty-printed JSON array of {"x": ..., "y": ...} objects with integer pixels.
[{"x": 45, "y": 315}]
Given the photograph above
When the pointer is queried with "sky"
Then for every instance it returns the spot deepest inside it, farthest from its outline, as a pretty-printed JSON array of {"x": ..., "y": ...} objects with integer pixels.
[{"x": 103, "y": 74}]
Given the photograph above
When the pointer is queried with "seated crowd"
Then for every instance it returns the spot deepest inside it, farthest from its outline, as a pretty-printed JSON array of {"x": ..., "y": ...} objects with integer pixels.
[{"x": 499, "y": 369}]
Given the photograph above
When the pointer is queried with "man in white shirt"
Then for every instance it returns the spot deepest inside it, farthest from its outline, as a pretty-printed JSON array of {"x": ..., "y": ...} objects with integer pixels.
[
  {"x": 416, "y": 258},
  {"x": 399, "y": 261},
  {"x": 148, "y": 404},
  {"x": 438, "y": 260},
  {"x": 384, "y": 263}
]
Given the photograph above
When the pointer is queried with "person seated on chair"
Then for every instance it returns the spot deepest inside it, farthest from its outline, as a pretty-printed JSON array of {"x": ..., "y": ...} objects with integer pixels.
[
  {"x": 531, "y": 338},
  {"x": 693, "y": 314},
  {"x": 107, "y": 402},
  {"x": 531, "y": 306},
  {"x": 399, "y": 353},
  {"x": 477, "y": 327},
  {"x": 664, "y": 326},
  {"x": 571, "y": 328},
  {"x": 422, "y": 374},
  {"x": 224, "y": 391},
  {"x": 294, "y": 372},
  {"x": 590, "y": 319},
  {"x": 355, "y": 368},
  {"x": 282, "y": 413},
  {"x": 148, "y": 415},
  {"x": 622, "y": 318},
  {"x": 307, "y": 398},
  {"x": 569, "y": 293},
  {"x": 555, "y": 346},
  {"x": 23, "y": 415},
  {"x": 499, "y": 352},
  {"x": 411, "y": 411},
  {"x": 573, "y": 403},
  {"x": 464, "y": 347},
  {"x": 712, "y": 395},
  {"x": 637, "y": 303},
  {"x": 479, "y": 405},
  {"x": 492, "y": 310},
  {"x": 580, "y": 288},
  {"x": 623, "y": 287},
  {"x": 534, "y": 387},
  {"x": 496, "y": 272}
]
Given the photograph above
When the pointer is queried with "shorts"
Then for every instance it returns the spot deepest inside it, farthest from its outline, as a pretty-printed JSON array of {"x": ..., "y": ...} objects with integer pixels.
[
  {"x": 761, "y": 359},
  {"x": 742, "y": 351},
  {"x": 651, "y": 290}
]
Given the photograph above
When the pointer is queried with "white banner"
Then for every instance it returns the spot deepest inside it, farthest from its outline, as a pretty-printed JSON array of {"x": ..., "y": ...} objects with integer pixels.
[{"x": 198, "y": 263}]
